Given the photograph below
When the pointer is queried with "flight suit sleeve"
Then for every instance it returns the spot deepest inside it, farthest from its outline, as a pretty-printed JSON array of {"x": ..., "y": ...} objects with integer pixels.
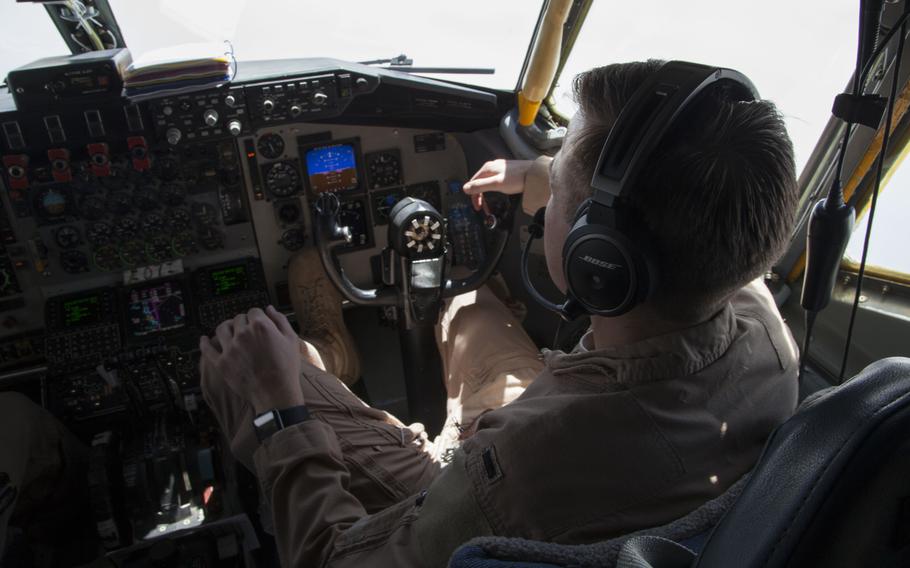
[
  {"x": 318, "y": 522},
  {"x": 537, "y": 185}
]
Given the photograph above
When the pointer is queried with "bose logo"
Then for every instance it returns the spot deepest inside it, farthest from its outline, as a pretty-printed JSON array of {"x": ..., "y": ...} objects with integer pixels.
[{"x": 601, "y": 263}]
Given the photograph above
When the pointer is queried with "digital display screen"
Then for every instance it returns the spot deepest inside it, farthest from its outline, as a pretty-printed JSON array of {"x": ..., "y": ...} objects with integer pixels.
[
  {"x": 156, "y": 308},
  {"x": 77, "y": 312},
  {"x": 229, "y": 280},
  {"x": 82, "y": 81},
  {"x": 332, "y": 168}
]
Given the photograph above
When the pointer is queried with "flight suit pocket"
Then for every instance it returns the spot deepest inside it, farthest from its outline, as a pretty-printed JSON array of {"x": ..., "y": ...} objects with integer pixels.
[{"x": 373, "y": 531}]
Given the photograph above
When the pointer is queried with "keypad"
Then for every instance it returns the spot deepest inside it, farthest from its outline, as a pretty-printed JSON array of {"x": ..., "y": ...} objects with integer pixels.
[
  {"x": 214, "y": 312},
  {"x": 87, "y": 343}
]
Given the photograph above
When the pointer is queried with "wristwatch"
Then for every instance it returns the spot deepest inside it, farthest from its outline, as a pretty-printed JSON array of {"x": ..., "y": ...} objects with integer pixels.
[{"x": 272, "y": 421}]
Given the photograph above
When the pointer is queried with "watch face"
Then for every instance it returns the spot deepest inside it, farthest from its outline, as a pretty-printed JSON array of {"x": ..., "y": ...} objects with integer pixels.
[
  {"x": 266, "y": 424},
  {"x": 274, "y": 420}
]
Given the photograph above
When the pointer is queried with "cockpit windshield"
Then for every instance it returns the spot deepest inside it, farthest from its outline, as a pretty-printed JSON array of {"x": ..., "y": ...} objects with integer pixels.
[{"x": 467, "y": 33}]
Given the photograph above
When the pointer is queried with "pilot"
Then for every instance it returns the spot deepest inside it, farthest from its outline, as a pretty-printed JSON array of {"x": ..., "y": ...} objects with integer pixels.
[{"x": 652, "y": 414}]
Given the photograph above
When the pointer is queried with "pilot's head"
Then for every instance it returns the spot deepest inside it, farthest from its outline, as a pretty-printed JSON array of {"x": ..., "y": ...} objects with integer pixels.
[{"x": 716, "y": 202}]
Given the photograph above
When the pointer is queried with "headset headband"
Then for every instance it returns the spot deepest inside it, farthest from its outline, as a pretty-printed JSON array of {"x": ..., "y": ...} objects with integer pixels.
[{"x": 647, "y": 116}]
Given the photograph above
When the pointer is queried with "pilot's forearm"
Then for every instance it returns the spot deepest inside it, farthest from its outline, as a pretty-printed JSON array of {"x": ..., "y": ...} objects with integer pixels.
[
  {"x": 303, "y": 476},
  {"x": 537, "y": 185}
]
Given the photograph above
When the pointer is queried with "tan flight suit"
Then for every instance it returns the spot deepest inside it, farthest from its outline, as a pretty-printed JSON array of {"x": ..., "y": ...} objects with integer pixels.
[{"x": 599, "y": 444}]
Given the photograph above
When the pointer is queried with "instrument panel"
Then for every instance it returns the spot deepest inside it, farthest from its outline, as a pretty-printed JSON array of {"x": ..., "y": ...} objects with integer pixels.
[
  {"x": 129, "y": 229},
  {"x": 369, "y": 168},
  {"x": 112, "y": 193}
]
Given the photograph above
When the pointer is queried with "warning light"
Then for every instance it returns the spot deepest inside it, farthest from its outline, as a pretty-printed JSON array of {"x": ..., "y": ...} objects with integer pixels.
[{"x": 251, "y": 154}]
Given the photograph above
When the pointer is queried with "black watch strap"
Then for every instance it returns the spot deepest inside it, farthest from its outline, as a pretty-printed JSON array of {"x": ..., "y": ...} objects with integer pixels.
[{"x": 272, "y": 421}]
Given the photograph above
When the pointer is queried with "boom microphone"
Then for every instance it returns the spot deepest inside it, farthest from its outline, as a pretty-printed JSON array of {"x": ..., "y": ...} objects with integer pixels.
[{"x": 570, "y": 308}]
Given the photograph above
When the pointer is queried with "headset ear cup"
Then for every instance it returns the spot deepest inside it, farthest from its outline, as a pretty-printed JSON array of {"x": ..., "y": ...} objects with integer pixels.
[{"x": 605, "y": 271}]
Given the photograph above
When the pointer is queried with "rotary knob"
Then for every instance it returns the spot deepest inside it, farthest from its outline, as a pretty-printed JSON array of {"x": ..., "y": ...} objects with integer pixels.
[
  {"x": 268, "y": 105},
  {"x": 319, "y": 98},
  {"x": 230, "y": 100},
  {"x": 173, "y": 136},
  {"x": 210, "y": 117},
  {"x": 235, "y": 127},
  {"x": 295, "y": 110}
]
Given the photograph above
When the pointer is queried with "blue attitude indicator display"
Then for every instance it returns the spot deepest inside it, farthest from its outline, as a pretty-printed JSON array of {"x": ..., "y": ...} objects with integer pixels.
[{"x": 332, "y": 168}]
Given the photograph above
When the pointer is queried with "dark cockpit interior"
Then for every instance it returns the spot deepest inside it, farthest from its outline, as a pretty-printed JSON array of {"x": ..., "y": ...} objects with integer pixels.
[{"x": 134, "y": 221}]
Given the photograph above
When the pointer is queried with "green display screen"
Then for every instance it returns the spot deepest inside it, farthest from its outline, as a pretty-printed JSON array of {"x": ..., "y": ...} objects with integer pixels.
[
  {"x": 229, "y": 280},
  {"x": 81, "y": 311}
]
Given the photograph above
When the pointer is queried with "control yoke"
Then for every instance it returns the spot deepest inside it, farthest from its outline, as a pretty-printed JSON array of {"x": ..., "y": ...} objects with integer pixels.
[{"x": 414, "y": 264}]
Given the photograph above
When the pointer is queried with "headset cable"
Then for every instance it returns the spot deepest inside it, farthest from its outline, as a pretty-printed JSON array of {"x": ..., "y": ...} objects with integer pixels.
[{"x": 879, "y": 169}]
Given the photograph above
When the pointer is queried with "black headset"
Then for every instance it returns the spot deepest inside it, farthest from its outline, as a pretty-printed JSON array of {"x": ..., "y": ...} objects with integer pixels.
[{"x": 608, "y": 272}]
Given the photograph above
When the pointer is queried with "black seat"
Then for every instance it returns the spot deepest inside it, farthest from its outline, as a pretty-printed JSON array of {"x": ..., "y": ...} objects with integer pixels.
[{"x": 832, "y": 489}]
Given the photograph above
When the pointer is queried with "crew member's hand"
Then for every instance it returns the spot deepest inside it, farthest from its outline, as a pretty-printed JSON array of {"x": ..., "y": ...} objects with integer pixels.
[
  {"x": 257, "y": 355},
  {"x": 504, "y": 176}
]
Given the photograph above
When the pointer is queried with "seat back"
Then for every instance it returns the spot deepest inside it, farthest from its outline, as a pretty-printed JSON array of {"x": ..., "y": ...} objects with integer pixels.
[{"x": 832, "y": 487}]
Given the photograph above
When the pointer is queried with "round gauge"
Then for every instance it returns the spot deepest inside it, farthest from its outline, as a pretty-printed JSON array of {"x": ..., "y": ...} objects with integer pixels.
[
  {"x": 178, "y": 219},
  {"x": 74, "y": 261},
  {"x": 99, "y": 233},
  {"x": 289, "y": 211},
  {"x": 184, "y": 244},
  {"x": 282, "y": 179},
  {"x": 152, "y": 223},
  {"x": 159, "y": 248},
  {"x": 92, "y": 207},
  {"x": 119, "y": 203},
  {"x": 384, "y": 169},
  {"x": 126, "y": 228},
  {"x": 271, "y": 146},
  {"x": 172, "y": 194},
  {"x": 203, "y": 213},
  {"x": 106, "y": 257},
  {"x": 292, "y": 239},
  {"x": 67, "y": 236},
  {"x": 132, "y": 253},
  {"x": 210, "y": 238},
  {"x": 52, "y": 203},
  {"x": 146, "y": 197}
]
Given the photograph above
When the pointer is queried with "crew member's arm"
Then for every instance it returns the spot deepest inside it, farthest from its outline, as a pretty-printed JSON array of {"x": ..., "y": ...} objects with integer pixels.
[
  {"x": 256, "y": 355},
  {"x": 318, "y": 522},
  {"x": 532, "y": 178}
]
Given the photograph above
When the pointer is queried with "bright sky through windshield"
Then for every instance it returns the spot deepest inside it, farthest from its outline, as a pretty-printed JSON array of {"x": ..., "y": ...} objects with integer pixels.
[
  {"x": 466, "y": 33},
  {"x": 799, "y": 54},
  {"x": 28, "y": 34}
]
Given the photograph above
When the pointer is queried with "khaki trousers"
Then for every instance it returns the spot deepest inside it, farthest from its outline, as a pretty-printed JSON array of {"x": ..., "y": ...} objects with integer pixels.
[{"x": 488, "y": 361}]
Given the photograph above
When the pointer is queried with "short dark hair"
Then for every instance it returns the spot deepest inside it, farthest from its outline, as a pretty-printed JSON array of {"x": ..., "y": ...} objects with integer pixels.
[{"x": 716, "y": 202}]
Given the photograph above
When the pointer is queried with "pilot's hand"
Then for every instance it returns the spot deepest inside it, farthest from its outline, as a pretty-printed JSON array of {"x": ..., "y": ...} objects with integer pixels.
[
  {"x": 504, "y": 176},
  {"x": 257, "y": 355}
]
